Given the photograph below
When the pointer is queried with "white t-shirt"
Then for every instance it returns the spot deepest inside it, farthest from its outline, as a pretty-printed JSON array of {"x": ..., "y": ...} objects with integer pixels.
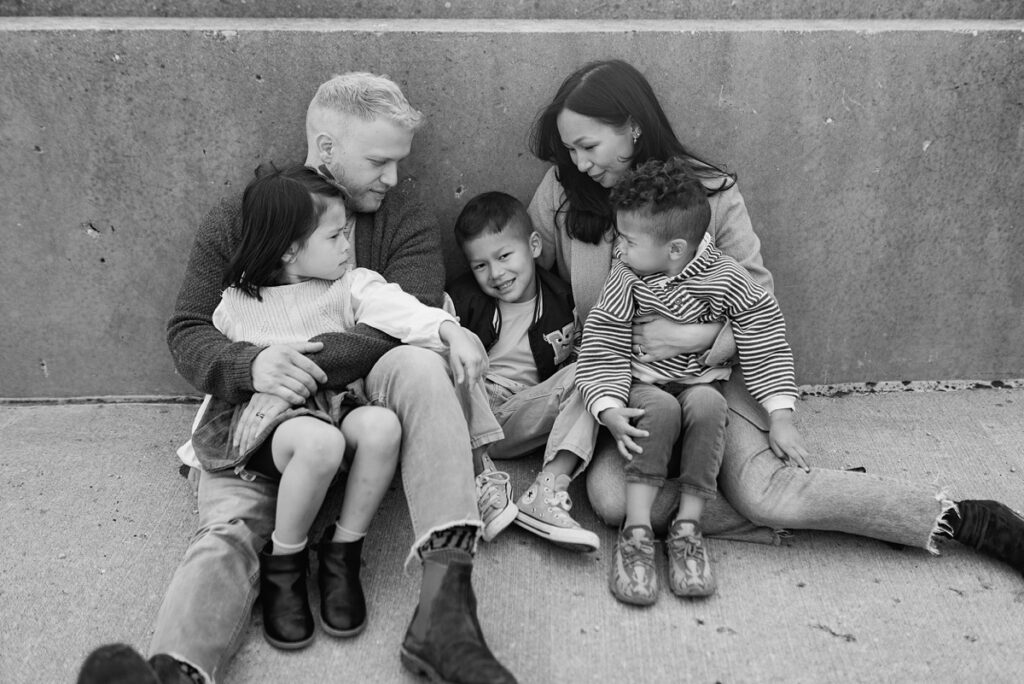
[{"x": 511, "y": 358}]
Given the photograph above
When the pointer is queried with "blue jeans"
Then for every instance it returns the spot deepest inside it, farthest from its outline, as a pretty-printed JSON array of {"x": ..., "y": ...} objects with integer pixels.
[
  {"x": 207, "y": 607},
  {"x": 684, "y": 421},
  {"x": 766, "y": 492},
  {"x": 549, "y": 413}
]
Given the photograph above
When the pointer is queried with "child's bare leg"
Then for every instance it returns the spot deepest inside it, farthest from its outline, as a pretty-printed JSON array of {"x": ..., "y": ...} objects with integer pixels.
[
  {"x": 564, "y": 463},
  {"x": 308, "y": 452},
  {"x": 376, "y": 436},
  {"x": 691, "y": 508},
  {"x": 639, "y": 499}
]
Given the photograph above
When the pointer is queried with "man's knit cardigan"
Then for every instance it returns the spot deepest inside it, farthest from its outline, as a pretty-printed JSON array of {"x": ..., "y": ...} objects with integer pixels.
[{"x": 400, "y": 241}]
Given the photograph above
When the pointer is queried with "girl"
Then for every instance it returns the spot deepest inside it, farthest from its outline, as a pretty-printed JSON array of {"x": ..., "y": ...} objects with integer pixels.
[
  {"x": 605, "y": 119},
  {"x": 291, "y": 279}
]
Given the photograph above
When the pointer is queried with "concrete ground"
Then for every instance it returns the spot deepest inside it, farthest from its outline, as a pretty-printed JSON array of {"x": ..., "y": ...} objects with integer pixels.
[{"x": 95, "y": 518}]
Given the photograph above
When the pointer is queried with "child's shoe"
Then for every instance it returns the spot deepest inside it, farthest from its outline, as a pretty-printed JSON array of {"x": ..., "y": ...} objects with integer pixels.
[
  {"x": 689, "y": 569},
  {"x": 287, "y": 619},
  {"x": 544, "y": 510},
  {"x": 342, "y": 602},
  {"x": 494, "y": 499},
  {"x": 633, "y": 577}
]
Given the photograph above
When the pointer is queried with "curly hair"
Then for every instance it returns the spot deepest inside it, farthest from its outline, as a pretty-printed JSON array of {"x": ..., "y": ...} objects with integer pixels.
[{"x": 669, "y": 187}]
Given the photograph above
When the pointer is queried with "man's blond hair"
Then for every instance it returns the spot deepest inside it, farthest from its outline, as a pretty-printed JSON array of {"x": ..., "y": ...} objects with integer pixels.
[{"x": 368, "y": 97}]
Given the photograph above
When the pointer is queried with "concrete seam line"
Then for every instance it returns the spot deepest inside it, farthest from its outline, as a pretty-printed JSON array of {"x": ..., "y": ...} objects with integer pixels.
[{"x": 227, "y": 25}]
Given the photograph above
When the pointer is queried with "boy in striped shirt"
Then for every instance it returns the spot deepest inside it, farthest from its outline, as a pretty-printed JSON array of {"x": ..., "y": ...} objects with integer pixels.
[{"x": 667, "y": 266}]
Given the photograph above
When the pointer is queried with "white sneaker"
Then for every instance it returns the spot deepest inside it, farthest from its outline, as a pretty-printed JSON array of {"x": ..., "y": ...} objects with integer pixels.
[
  {"x": 544, "y": 510},
  {"x": 494, "y": 499}
]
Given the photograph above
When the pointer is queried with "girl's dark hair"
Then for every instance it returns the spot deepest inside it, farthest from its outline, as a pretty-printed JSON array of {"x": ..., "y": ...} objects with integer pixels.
[
  {"x": 614, "y": 93},
  {"x": 278, "y": 208}
]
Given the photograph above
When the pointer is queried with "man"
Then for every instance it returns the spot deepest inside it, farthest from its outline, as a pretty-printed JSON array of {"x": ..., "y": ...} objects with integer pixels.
[{"x": 358, "y": 127}]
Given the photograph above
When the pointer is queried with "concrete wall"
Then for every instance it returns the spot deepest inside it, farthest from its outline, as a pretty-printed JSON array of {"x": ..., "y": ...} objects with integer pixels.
[
  {"x": 881, "y": 163},
  {"x": 525, "y": 9}
]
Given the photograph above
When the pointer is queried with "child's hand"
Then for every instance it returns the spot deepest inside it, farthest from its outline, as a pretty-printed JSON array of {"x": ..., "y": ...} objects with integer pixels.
[
  {"x": 617, "y": 420},
  {"x": 786, "y": 441},
  {"x": 466, "y": 354},
  {"x": 262, "y": 407}
]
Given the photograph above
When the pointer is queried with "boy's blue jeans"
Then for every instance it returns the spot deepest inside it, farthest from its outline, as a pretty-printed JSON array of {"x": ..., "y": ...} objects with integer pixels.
[
  {"x": 551, "y": 412},
  {"x": 207, "y": 607},
  {"x": 688, "y": 420},
  {"x": 757, "y": 486}
]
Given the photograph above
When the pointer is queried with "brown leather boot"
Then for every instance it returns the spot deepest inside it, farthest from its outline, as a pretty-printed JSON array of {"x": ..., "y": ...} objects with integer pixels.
[
  {"x": 287, "y": 620},
  {"x": 342, "y": 602},
  {"x": 452, "y": 648}
]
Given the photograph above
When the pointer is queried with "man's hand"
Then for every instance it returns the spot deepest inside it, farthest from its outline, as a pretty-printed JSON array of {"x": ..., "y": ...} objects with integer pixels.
[
  {"x": 786, "y": 441},
  {"x": 284, "y": 371},
  {"x": 656, "y": 338},
  {"x": 617, "y": 420},
  {"x": 466, "y": 354},
  {"x": 260, "y": 409}
]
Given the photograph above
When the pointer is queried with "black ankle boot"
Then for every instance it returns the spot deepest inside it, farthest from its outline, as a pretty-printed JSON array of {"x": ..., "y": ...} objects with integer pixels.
[
  {"x": 287, "y": 619},
  {"x": 994, "y": 529},
  {"x": 453, "y": 649},
  {"x": 342, "y": 603}
]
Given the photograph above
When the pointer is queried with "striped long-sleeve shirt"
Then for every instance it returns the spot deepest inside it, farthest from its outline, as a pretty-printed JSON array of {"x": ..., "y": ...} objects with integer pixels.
[{"x": 712, "y": 287}]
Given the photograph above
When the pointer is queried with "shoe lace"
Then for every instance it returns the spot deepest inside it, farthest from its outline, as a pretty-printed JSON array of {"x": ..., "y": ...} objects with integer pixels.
[
  {"x": 492, "y": 489},
  {"x": 685, "y": 548},
  {"x": 559, "y": 499},
  {"x": 638, "y": 551}
]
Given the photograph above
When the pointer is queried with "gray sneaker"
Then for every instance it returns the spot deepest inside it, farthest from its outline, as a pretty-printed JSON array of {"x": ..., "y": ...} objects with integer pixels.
[
  {"x": 544, "y": 510},
  {"x": 689, "y": 568},
  {"x": 494, "y": 500},
  {"x": 633, "y": 577}
]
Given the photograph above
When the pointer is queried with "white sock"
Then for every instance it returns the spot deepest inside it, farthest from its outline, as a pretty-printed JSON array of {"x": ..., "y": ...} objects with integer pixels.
[
  {"x": 343, "y": 535},
  {"x": 282, "y": 549}
]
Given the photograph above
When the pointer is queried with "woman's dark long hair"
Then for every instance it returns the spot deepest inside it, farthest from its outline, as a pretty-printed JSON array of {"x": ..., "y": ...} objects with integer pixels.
[
  {"x": 616, "y": 94},
  {"x": 278, "y": 208}
]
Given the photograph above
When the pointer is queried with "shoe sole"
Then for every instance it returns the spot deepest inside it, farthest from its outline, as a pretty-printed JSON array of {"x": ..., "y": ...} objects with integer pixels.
[
  {"x": 342, "y": 633},
  {"x": 498, "y": 525},
  {"x": 289, "y": 645},
  {"x": 683, "y": 592},
  {"x": 583, "y": 541},
  {"x": 420, "y": 667}
]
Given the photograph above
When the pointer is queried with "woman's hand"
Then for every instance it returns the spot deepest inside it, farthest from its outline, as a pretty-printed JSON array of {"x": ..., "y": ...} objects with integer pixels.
[
  {"x": 786, "y": 441},
  {"x": 466, "y": 354},
  {"x": 656, "y": 338},
  {"x": 262, "y": 408},
  {"x": 617, "y": 420}
]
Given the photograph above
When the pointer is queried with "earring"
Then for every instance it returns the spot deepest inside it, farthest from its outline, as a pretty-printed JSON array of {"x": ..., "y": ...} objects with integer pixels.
[{"x": 636, "y": 135}]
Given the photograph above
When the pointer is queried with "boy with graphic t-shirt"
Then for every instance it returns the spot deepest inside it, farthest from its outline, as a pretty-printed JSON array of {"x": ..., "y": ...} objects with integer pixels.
[{"x": 526, "y": 319}]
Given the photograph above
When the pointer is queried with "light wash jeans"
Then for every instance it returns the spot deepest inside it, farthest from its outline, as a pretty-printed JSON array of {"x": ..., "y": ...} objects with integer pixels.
[
  {"x": 764, "y": 490},
  {"x": 207, "y": 607},
  {"x": 551, "y": 412}
]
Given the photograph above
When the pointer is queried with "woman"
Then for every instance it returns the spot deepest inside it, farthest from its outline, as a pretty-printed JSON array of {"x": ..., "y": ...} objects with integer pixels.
[{"x": 605, "y": 119}]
